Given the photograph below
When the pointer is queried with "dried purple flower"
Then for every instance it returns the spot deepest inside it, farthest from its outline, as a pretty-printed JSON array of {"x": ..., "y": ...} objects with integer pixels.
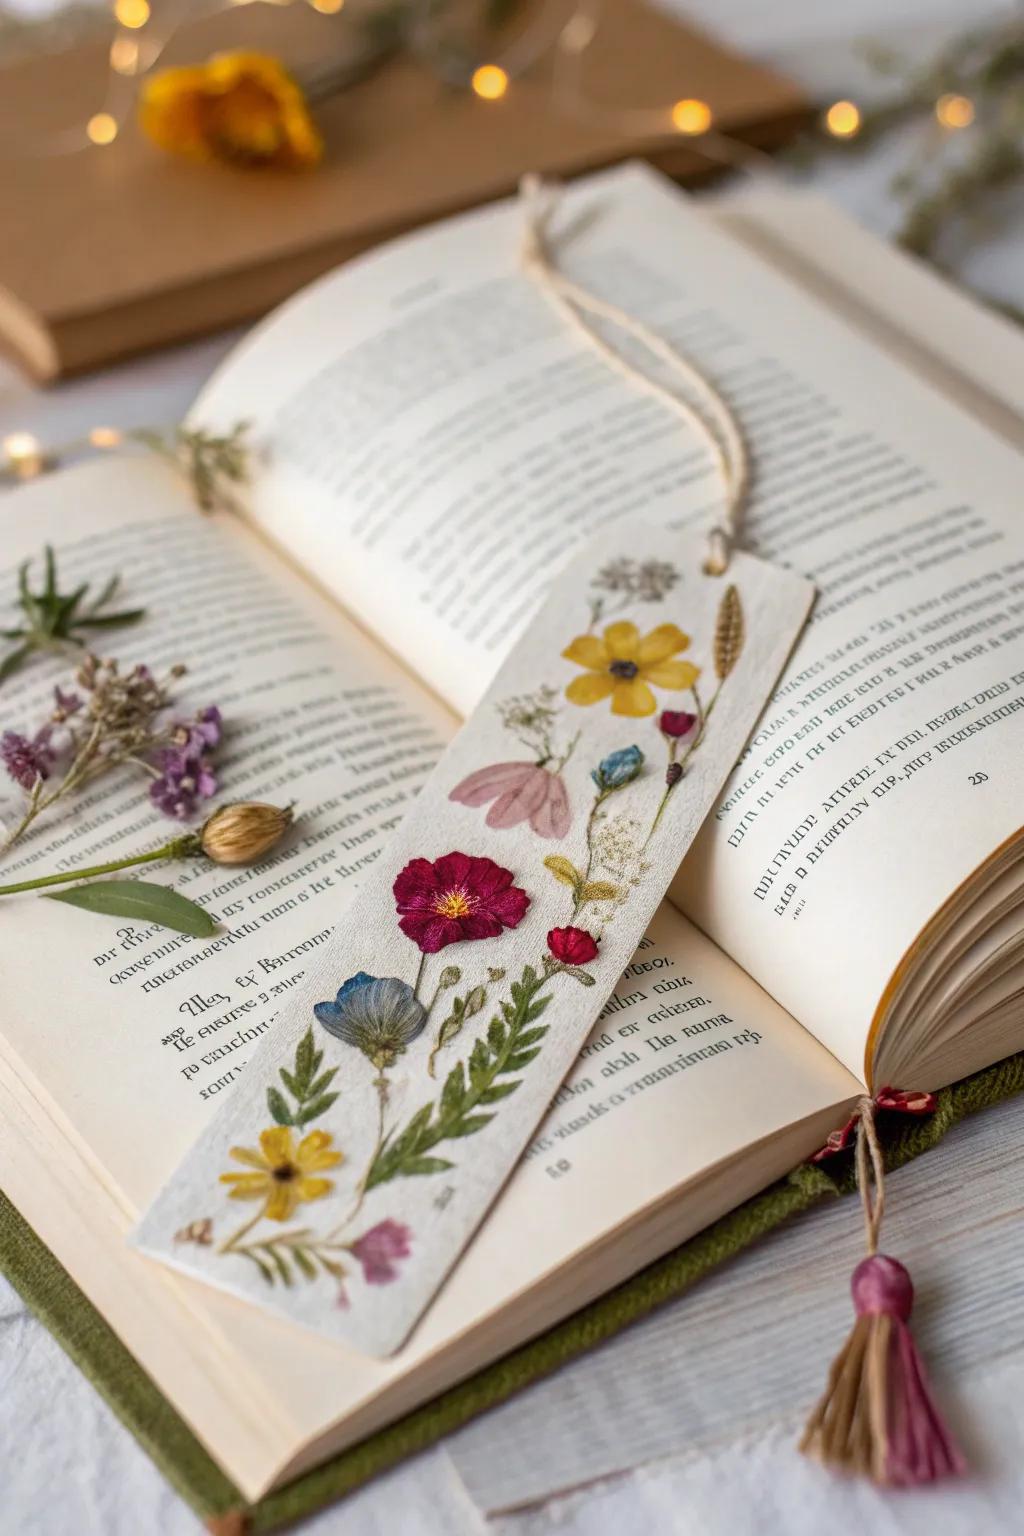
[
  {"x": 112, "y": 717},
  {"x": 185, "y": 779},
  {"x": 27, "y": 762},
  {"x": 65, "y": 705},
  {"x": 200, "y": 734},
  {"x": 379, "y": 1248}
]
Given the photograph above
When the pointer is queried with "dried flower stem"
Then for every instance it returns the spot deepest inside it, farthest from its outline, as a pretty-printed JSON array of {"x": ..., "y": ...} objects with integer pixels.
[
  {"x": 178, "y": 848},
  {"x": 703, "y": 716},
  {"x": 212, "y": 463}
]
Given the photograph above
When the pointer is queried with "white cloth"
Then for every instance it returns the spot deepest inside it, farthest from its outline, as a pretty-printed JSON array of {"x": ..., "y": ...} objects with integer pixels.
[
  {"x": 745, "y": 1353},
  {"x": 68, "y": 1468}
]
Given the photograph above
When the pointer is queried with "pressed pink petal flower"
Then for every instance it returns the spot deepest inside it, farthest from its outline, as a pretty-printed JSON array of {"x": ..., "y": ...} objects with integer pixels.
[
  {"x": 487, "y": 783},
  {"x": 520, "y": 803},
  {"x": 553, "y": 817},
  {"x": 379, "y": 1250},
  {"x": 519, "y": 792}
]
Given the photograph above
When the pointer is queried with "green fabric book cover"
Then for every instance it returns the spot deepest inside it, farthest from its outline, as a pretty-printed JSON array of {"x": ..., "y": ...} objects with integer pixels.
[{"x": 97, "y": 1351}]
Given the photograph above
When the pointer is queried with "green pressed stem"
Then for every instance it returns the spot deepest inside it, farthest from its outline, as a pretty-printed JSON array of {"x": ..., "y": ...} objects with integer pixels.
[
  {"x": 177, "y": 848},
  {"x": 231, "y": 1243},
  {"x": 599, "y": 800},
  {"x": 419, "y": 976}
]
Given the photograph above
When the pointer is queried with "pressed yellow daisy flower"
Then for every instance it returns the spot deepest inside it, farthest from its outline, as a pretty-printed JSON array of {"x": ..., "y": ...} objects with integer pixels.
[
  {"x": 622, "y": 665},
  {"x": 283, "y": 1173}
]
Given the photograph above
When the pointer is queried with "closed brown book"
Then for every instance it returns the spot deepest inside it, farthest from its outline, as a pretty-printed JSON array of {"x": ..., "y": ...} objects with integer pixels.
[{"x": 109, "y": 251}]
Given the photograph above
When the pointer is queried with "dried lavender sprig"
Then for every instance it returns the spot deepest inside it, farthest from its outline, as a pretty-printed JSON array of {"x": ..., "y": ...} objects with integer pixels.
[{"x": 117, "y": 718}]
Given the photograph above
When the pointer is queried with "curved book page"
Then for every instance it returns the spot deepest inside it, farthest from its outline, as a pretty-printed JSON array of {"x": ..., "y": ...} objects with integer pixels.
[{"x": 437, "y": 443}]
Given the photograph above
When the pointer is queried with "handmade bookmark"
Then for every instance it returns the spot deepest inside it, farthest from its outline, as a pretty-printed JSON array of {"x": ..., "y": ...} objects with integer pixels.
[{"x": 413, "y": 1061}]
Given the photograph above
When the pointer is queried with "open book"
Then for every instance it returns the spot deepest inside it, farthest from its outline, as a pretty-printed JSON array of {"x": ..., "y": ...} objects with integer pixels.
[{"x": 432, "y": 444}]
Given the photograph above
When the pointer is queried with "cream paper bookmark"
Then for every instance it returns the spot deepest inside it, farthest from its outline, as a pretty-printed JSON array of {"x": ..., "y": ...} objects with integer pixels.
[{"x": 412, "y": 1063}]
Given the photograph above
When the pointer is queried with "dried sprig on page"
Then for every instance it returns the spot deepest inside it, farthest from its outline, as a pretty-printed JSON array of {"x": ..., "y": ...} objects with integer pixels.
[
  {"x": 213, "y": 463},
  {"x": 106, "y": 720},
  {"x": 54, "y": 621}
]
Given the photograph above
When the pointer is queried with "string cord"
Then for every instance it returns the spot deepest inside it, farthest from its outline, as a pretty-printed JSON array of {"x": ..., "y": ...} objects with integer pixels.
[
  {"x": 870, "y": 1174},
  {"x": 713, "y": 419}
]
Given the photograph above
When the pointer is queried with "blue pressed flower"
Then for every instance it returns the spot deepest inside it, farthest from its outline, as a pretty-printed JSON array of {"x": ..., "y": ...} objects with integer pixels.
[
  {"x": 618, "y": 768},
  {"x": 379, "y": 1015}
]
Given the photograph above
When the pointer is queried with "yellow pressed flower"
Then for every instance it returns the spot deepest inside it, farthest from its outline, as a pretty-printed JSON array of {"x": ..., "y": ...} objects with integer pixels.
[
  {"x": 283, "y": 1173},
  {"x": 241, "y": 108},
  {"x": 622, "y": 664}
]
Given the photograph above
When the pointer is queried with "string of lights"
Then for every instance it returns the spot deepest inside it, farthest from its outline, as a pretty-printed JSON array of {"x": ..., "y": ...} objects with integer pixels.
[
  {"x": 142, "y": 36},
  {"x": 140, "y": 41}
]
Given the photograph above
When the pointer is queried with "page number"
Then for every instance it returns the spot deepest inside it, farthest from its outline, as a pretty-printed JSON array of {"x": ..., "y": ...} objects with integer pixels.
[{"x": 977, "y": 778}]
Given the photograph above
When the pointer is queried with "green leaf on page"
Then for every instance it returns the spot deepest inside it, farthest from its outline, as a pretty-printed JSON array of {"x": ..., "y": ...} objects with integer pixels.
[{"x": 142, "y": 900}]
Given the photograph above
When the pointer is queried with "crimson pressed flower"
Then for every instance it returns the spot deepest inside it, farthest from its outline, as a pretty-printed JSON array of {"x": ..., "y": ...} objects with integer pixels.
[
  {"x": 676, "y": 723},
  {"x": 572, "y": 946},
  {"x": 379, "y": 1248},
  {"x": 455, "y": 897}
]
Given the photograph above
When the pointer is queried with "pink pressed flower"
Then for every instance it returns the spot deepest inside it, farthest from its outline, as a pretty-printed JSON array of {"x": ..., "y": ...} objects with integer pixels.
[
  {"x": 456, "y": 897},
  {"x": 573, "y": 946},
  {"x": 379, "y": 1249},
  {"x": 676, "y": 723},
  {"x": 519, "y": 792}
]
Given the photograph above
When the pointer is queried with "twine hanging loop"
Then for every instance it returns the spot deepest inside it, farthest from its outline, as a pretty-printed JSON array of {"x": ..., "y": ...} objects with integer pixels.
[{"x": 702, "y": 408}]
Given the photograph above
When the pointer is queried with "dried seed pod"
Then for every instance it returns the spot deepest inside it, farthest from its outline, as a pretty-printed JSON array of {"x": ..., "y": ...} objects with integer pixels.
[{"x": 244, "y": 831}]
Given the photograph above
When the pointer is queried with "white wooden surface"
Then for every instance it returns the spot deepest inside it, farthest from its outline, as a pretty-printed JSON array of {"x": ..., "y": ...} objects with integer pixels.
[{"x": 67, "y": 1468}]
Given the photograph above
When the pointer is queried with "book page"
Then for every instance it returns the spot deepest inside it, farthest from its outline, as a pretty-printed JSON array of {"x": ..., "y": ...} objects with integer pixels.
[
  {"x": 436, "y": 443},
  {"x": 134, "y": 1033}
]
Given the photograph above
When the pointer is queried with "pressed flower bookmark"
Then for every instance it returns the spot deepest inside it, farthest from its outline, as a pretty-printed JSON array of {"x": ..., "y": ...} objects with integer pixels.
[{"x": 413, "y": 1061}]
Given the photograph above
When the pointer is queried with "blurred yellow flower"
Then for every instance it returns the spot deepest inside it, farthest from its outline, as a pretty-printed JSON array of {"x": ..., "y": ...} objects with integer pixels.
[
  {"x": 240, "y": 108},
  {"x": 284, "y": 1173}
]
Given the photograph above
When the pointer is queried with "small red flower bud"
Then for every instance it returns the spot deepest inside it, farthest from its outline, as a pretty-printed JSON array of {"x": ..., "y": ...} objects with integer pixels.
[
  {"x": 676, "y": 723},
  {"x": 673, "y": 773},
  {"x": 573, "y": 946}
]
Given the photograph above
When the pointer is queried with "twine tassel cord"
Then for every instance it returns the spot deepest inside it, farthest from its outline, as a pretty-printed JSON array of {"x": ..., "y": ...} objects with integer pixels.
[
  {"x": 713, "y": 420},
  {"x": 876, "y": 1416}
]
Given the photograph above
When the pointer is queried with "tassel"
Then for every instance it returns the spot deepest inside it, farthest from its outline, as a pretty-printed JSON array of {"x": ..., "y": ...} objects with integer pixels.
[{"x": 876, "y": 1416}]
